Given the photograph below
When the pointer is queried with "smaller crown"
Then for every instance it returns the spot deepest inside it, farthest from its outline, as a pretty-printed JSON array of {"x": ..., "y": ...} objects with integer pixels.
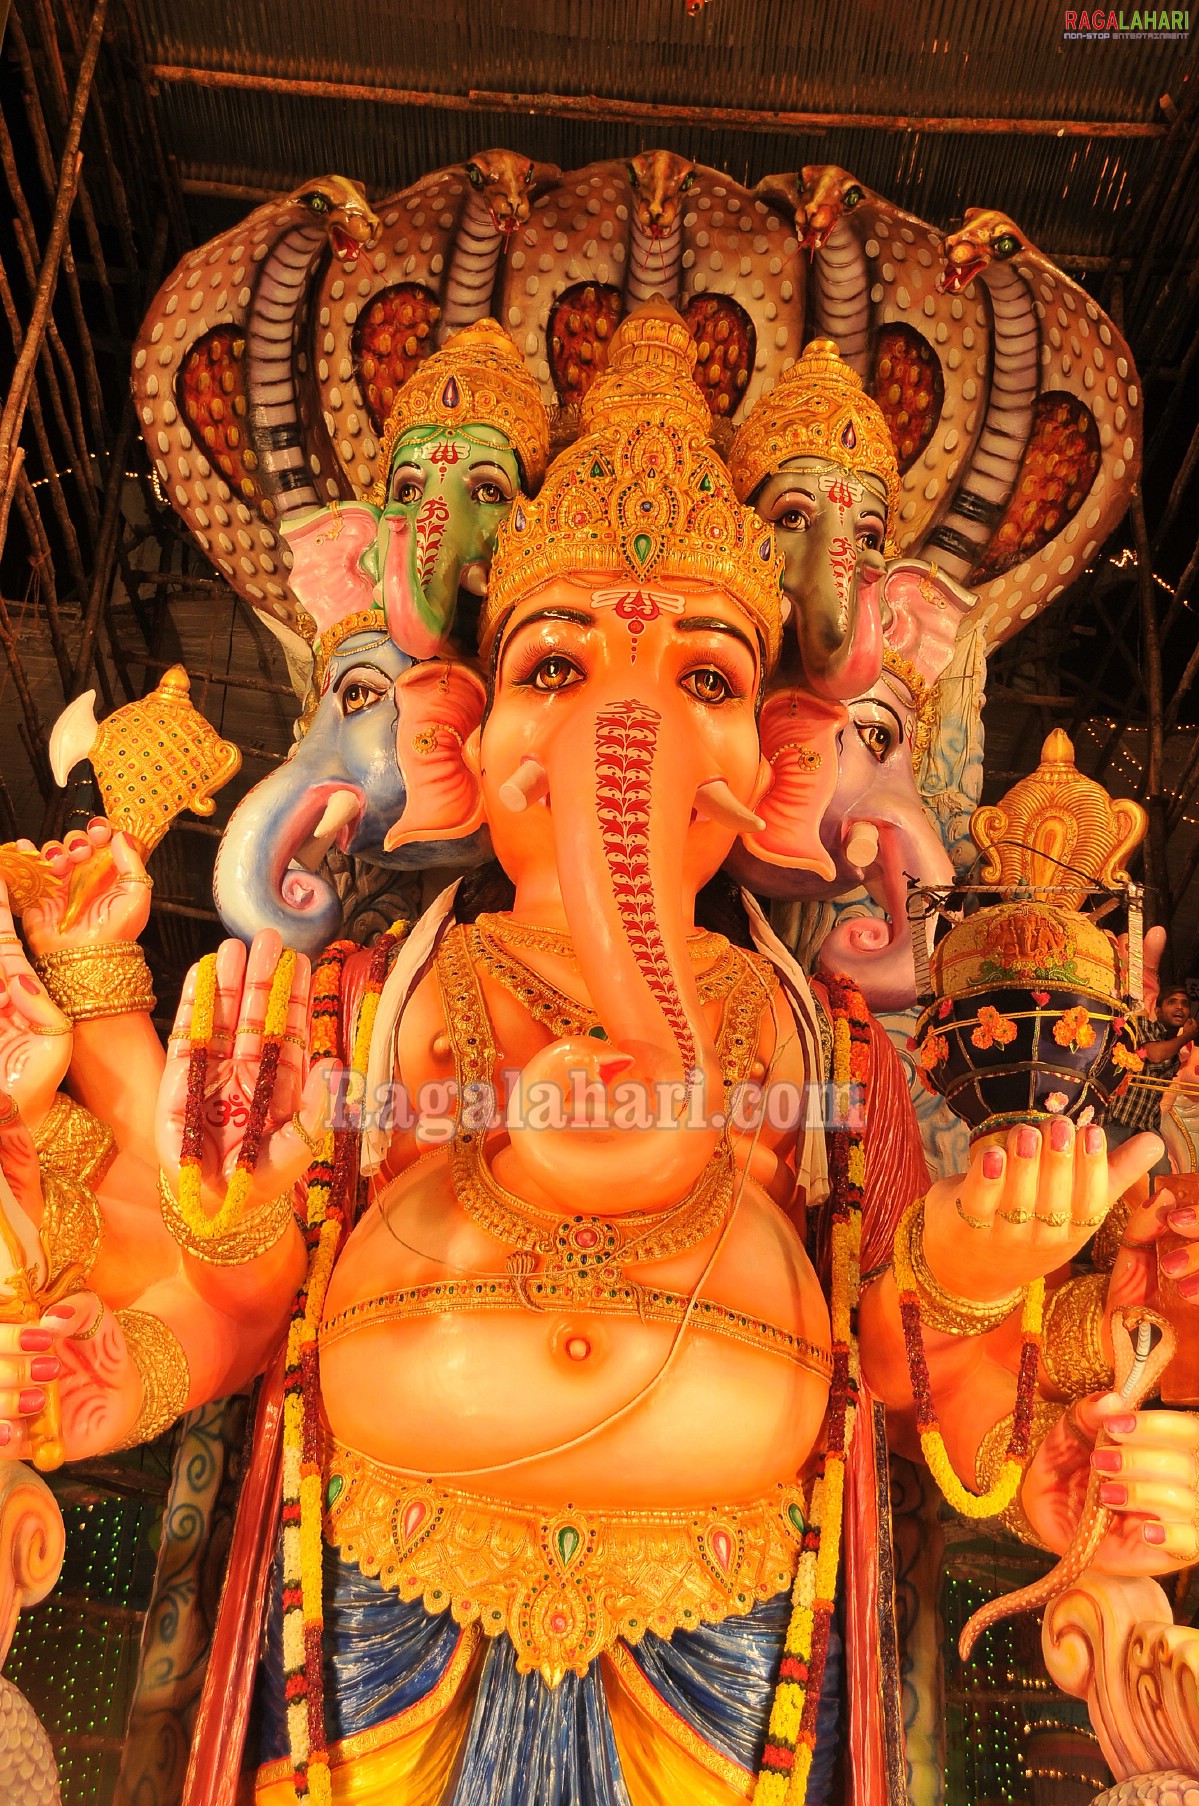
[
  {"x": 477, "y": 376},
  {"x": 817, "y": 409},
  {"x": 1056, "y": 828},
  {"x": 641, "y": 493}
]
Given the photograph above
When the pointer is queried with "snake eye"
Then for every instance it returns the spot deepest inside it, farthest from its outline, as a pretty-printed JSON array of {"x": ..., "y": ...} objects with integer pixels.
[
  {"x": 852, "y": 197},
  {"x": 687, "y": 182},
  {"x": 317, "y": 202},
  {"x": 475, "y": 176},
  {"x": 1006, "y": 245}
]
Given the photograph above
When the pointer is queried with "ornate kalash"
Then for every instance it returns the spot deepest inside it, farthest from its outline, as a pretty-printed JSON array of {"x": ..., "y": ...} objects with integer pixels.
[{"x": 1031, "y": 997}]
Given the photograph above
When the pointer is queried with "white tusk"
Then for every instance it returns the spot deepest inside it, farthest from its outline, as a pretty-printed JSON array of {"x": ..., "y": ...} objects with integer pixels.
[
  {"x": 73, "y": 736},
  {"x": 715, "y": 801},
  {"x": 343, "y": 806},
  {"x": 528, "y": 784},
  {"x": 473, "y": 579},
  {"x": 861, "y": 849}
]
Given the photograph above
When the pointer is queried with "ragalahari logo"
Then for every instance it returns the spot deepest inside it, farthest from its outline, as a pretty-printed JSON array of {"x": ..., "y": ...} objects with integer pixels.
[{"x": 1105, "y": 25}]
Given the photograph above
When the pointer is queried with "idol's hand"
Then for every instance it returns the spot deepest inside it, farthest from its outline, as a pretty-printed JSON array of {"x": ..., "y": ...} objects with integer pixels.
[
  {"x": 77, "y": 1356},
  {"x": 1134, "y": 1275},
  {"x": 243, "y": 986},
  {"x": 35, "y": 1036},
  {"x": 1148, "y": 1479},
  {"x": 1024, "y": 1209},
  {"x": 101, "y": 895}
]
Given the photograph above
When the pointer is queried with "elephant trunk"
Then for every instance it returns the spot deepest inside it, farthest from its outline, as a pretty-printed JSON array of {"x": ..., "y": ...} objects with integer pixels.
[
  {"x": 842, "y": 651},
  {"x": 657, "y": 1072},
  {"x": 421, "y": 568},
  {"x": 876, "y": 952},
  {"x": 259, "y": 881}
]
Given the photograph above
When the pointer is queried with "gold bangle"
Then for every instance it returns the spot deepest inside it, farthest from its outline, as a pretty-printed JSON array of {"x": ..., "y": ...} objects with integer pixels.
[
  {"x": 87, "y": 982},
  {"x": 253, "y": 1237},
  {"x": 940, "y": 1309},
  {"x": 158, "y": 1355},
  {"x": 992, "y": 1452},
  {"x": 315, "y": 1148},
  {"x": 137, "y": 878},
  {"x": 11, "y": 1115},
  {"x": 1072, "y": 1337},
  {"x": 37, "y": 1028}
]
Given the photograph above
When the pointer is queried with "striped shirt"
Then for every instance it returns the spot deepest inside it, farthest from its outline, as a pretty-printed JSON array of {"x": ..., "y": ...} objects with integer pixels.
[{"x": 1139, "y": 1103}]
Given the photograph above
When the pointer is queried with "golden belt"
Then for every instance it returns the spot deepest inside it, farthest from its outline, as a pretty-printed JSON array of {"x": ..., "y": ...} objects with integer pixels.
[
  {"x": 567, "y": 1585},
  {"x": 652, "y": 1304}
]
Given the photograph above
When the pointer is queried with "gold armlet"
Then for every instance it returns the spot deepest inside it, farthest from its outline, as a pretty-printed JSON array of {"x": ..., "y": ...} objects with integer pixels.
[
  {"x": 86, "y": 982},
  {"x": 251, "y": 1237},
  {"x": 166, "y": 1379},
  {"x": 990, "y": 1458},
  {"x": 1072, "y": 1337},
  {"x": 1110, "y": 1235},
  {"x": 940, "y": 1309}
]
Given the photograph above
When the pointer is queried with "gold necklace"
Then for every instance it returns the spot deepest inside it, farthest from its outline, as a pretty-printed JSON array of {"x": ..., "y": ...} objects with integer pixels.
[
  {"x": 554, "y": 1008},
  {"x": 701, "y": 947},
  {"x": 577, "y": 1252}
]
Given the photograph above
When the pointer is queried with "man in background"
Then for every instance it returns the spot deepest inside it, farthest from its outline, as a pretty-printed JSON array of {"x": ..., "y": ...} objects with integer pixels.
[{"x": 1160, "y": 1041}]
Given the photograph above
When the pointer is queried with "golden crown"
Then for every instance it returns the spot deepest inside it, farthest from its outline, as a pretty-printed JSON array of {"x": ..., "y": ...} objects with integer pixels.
[
  {"x": 817, "y": 409},
  {"x": 642, "y": 491},
  {"x": 478, "y": 375}
]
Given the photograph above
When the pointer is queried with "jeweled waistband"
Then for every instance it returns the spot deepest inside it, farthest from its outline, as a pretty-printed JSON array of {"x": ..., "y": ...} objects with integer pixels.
[
  {"x": 651, "y": 1303},
  {"x": 563, "y": 1585}
]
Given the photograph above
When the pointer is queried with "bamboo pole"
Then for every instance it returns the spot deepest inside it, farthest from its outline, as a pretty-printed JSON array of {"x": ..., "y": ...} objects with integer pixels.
[
  {"x": 639, "y": 112},
  {"x": 1156, "y": 867}
]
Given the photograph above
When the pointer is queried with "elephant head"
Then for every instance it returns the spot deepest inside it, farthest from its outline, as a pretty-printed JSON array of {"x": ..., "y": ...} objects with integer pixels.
[
  {"x": 874, "y": 830},
  {"x": 816, "y": 460},
  {"x": 632, "y": 611},
  {"x": 380, "y": 746}
]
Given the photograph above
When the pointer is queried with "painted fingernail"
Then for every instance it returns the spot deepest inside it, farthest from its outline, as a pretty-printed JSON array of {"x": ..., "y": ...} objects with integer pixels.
[
  {"x": 1182, "y": 1217},
  {"x": 45, "y": 1367},
  {"x": 1177, "y": 1261},
  {"x": 1113, "y": 1495},
  {"x": 1154, "y": 1533},
  {"x": 1188, "y": 1287},
  {"x": 36, "y": 1341},
  {"x": 98, "y": 821},
  {"x": 993, "y": 1164},
  {"x": 29, "y": 984},
  {"x": 1107, "y": 1461},
  {"x": 1094, "y": 1141},
  {"x": 32, "y": 1399},
  {"x": 5, "y": 1433},
  {"x": 1123, "y": 1425},
  {"x": 59, "y": 1310},
  {"x": 1027, "y": 1142},
  {"x": 1060, "y": 1135}
]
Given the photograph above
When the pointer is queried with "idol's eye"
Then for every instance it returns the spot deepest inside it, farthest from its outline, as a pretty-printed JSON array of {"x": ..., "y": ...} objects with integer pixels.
[
  {"x": 555, "y": 673},
  {"x": 407, "y": 485},
  {"x": 793, "y": 520},
  {"x": 852, "y": 197},
  {"x": 870, "y": 537},
  {"x": 490, "y": 494},
  {"x": 879, "y": 737},
  {"x": 708, "y": 685},
  {"x": 317, "y": 202},
  {"x": 530, "y": 172},
  {"x": 1006, "y": 245},
  {"x": 491, "y": 487},
  {"x": 358, "y": 694}
]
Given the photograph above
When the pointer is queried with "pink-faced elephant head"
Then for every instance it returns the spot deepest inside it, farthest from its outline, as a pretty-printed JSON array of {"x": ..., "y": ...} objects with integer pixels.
[{"x": 872, "y": 827}]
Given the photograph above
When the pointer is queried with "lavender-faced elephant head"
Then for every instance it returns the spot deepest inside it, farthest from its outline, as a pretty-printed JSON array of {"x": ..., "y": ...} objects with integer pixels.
[{"x": 874, "y": 829}]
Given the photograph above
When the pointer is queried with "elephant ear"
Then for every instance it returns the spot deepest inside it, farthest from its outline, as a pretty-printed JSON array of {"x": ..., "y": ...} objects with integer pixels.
[
  {"x": 327, "y": 546},
  {"x": 926, "y": 608},
  {"x": 439, "y": 705},
  {"x": 799, "y": 742}
]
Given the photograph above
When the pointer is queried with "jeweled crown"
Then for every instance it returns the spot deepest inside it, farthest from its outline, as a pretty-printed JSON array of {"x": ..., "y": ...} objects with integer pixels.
[
  {"x": 642, "y": 493},
  {"x": 478, "y": 375},
  {"x": 817, "y": 409}
]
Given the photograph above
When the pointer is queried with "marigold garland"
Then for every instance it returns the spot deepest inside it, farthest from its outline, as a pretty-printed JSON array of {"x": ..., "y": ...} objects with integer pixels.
[
  {"x": 332, "y": 1190},
  {"x": 200, "y": 1225},
  {"x": 1000, "y": 1495},
  {"x": 791, "y": 1736}
]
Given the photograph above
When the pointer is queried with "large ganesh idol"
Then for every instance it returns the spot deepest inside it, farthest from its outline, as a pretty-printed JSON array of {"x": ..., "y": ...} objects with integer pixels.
[
  {"x": 376, "y": 769},
  {"x": 570, "y": 1432}
]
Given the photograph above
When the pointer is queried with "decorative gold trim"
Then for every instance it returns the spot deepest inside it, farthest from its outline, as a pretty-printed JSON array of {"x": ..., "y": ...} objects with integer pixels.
[
  {"x": 246, "y": 1242},
  {"x": 992, "y": 1452},
  {"x": 565, "y": 1586},
  {"x": 650, "y": 1304},
  {"x": 644, "y": 1696},
  {"x": 940, "y": 1309},
  {"x": 158, "y": 1355},
  {"x": 1072, "y": 1339}
]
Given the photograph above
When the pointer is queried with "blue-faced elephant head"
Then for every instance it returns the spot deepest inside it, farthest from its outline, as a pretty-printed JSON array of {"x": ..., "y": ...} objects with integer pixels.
[{"x": 381, "y": 749}]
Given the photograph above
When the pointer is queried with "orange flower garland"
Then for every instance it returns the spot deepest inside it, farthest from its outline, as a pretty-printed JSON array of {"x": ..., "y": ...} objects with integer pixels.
[
  {"x": 791, "y": 1737},
  {"x": 332, "y": 1188}
]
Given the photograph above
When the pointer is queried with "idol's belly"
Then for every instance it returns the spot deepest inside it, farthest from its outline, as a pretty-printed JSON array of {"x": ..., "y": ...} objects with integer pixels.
[{"x": 604, "y": 1411}]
